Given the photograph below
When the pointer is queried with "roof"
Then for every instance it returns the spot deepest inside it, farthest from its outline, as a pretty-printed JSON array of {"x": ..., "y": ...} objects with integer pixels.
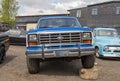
[
  {"x": 41, "y": 15},
  {"x": 104, "y": 3},
  {"x": 45, "y": 17},
  {"x": 34, "y": 18},
  {"x": 109, "y": 2},
  {"x": 77, "y": 8}
]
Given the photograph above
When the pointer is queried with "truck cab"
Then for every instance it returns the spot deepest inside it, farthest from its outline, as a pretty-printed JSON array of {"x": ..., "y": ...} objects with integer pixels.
[{"x": 59, "y": 38}]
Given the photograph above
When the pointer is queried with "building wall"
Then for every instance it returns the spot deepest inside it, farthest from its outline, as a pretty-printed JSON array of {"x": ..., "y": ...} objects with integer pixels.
[
  {"x": 106, "y": 17},
  {"x": 31, "y": 26},
  {"x": 3, "y": 27},
  {"x": 81, "y": 19}
]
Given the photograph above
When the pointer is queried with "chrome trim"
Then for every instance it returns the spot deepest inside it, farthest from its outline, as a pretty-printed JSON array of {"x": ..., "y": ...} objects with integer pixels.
[
  {"x": 111, "y": 55},
  {"x": 53, "y": 38},
  {"x": 62, "y": 44},
  {"x": 51, "y": 54}
]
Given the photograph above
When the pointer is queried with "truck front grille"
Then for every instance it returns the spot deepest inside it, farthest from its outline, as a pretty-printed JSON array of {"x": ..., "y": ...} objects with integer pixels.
[{"x": 55, "y": 38}]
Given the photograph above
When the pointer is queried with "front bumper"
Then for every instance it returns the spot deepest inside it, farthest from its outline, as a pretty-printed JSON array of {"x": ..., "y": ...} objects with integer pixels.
[
  {"x": 59, "y": 53},
  {"x": 111, "y": 55}
]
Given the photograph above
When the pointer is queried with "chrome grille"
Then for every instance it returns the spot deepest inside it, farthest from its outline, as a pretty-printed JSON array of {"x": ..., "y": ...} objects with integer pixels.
[{"x": 54, "y": 38}]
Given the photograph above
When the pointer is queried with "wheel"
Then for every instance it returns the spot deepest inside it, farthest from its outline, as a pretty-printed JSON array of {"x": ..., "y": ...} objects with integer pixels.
[
  {"x": 88, "y": 61},
  {"x": 32, "y": 65},
  {"x": 97, "y": 52},
  {"x": 2, "y": 54}
]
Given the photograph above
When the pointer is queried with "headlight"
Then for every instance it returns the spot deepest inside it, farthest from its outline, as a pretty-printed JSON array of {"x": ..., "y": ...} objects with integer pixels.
[
  {"x": 106, "y": 48},
  {"x": 86, "y": 35},
  {"x": 32, "y": 37}
]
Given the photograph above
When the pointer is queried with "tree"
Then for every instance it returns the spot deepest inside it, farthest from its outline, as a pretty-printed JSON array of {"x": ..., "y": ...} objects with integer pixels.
[
  {"x": 9, "y": 10},
  {"x": 0, "y": 15}
]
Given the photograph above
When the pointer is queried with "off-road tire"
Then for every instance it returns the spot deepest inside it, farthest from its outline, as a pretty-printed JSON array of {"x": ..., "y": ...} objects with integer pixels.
[
  {"x": 33, "y": 65},
  {"x": 88, "y": 61},
  {"x": 2, "y": 54}
]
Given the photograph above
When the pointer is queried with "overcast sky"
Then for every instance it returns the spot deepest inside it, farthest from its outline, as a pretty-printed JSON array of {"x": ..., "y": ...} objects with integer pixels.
[{"x": 38, "y": 7}]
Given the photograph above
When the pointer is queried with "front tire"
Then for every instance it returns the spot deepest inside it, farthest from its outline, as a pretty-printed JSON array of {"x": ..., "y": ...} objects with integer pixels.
[
  {"x": 33, "y": 65},
  {"x": 88, "y": 61},
  {"x": 2, "y": 54}
]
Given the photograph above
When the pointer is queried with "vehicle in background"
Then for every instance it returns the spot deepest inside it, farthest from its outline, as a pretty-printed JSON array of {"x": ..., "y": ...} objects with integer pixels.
[
  {"x": 17, "y": 37},
  {"x": 106, "y": 42},
  {"x": 4, "y": 45},
  {"x": 59, "y": 38}
]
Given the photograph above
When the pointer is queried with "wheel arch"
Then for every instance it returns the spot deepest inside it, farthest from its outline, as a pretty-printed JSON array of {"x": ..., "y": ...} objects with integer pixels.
[
  {"x": 96, "y": 47},
  {"x": 2, "y": 45}
]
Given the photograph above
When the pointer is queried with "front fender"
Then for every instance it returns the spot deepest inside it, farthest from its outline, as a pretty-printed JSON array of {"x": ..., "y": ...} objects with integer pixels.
[{"x": 100, "y": 46}]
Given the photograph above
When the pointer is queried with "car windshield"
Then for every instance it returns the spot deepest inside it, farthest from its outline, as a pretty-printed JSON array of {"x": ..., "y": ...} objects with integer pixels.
[
  {"x": 12, "y": 32},
  {"x": 58, "y": 22},
  {"x": 112, "y": 33},
  {"x": 23, "y": 32}
]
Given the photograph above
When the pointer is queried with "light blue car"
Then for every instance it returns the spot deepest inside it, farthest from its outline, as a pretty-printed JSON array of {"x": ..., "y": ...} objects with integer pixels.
[{"x": 106, "y": 42}]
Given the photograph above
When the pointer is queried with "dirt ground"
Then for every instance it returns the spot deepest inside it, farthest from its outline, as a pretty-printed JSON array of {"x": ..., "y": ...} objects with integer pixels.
[{"x": 14, "y": 69}]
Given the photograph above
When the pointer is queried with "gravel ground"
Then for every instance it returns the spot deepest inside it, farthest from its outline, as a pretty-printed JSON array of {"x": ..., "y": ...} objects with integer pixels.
[{"x": 14, "y": 69}]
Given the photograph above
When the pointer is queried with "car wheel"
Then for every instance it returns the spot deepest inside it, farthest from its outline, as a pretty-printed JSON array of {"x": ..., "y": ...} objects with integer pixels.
[
  {"x": 2, "y": 54},
  {"x": 97, "y": 52},
  {"x": 33, "y": 65},
  {"x": 88, "y": 61}
]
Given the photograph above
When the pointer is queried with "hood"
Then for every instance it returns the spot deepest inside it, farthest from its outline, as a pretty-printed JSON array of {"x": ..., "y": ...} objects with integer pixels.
[
  {"x": 108, "y": 40},
  {"x": 59, "y": 29}
]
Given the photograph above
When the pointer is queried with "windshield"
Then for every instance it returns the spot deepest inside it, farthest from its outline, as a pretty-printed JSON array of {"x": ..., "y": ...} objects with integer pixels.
[
  {"x": 58, "y": 22},
  {"x": 23, "y": 32},
  {"x": 112, "y": 33},
  {"x": 13, "y": 32}
]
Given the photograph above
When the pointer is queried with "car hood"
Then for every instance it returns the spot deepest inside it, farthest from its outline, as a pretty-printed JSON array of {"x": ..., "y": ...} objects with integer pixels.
[
  {"x": 59, "y": 29},
  {"x": 108, "y": 40}
]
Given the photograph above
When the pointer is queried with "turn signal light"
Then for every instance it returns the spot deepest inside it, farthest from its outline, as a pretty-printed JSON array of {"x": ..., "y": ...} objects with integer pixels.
[
  {"x": 87, "y": 41},
  {"x": 32, "y": 43}
]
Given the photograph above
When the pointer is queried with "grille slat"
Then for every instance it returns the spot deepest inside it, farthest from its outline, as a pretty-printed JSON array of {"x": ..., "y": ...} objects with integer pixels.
[{"x": 72, "y": 37}]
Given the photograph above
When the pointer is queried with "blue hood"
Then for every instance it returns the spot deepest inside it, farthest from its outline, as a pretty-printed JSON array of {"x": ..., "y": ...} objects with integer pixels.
[
  {"x": 59, "y": 29},
  {"x": 108, "y": 40}
]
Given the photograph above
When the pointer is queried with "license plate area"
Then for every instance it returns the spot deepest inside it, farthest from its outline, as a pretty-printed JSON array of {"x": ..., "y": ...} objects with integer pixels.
[{"x": 61, "y": 53}]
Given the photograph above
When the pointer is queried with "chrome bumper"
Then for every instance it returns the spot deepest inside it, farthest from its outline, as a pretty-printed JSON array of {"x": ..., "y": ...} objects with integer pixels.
[
  {"x": 59, "y": 53},
  {"x": 111, "y": 55}
]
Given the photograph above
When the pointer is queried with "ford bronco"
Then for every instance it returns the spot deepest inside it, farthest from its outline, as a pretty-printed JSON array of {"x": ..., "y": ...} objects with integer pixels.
[{"x": 59, "y": 38}]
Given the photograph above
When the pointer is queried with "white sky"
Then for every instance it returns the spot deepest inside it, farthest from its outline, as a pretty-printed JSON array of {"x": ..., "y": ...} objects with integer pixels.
[{"x": 38, "y": 7}]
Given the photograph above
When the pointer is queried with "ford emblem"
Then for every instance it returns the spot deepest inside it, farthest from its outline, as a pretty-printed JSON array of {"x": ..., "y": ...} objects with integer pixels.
[{"x": 60, "y": 38}]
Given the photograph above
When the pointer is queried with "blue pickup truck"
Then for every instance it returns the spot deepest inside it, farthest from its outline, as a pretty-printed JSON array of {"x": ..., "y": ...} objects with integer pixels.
[
  {"x": 59, "y": 38},
  {"x": 106, "y": 42}
]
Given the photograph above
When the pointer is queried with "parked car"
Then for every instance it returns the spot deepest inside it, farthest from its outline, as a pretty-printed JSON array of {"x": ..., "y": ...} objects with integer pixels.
[
  {"x": 17, "y": 37},
  {"x": 106, "y": 42},
  {"x": 4, "y": 45}
]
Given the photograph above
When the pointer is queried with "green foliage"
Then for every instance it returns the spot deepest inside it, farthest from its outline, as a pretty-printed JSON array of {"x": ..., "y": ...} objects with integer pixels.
[{"x": 9, "y": 10}]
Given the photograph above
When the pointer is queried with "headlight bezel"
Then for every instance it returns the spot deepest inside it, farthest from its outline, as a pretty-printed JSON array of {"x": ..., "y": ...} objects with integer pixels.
[
  {"x": 87, "y": 35},
  {"x": 32, "y": 37},
  {"x": 106, "y": 48}
]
